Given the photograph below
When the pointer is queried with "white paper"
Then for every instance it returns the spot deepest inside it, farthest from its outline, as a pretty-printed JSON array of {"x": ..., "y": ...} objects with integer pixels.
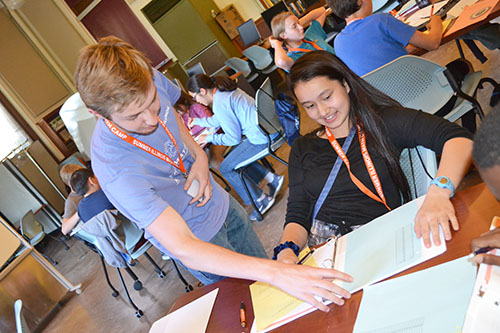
[
  {"x": 191, "y": 318},
  {"x": 422, "y": 16},
  {"x": 483, "y": 313},
  {"x": 429, "y": 301},
  {"x": 459, "y": 8},
  {"x": 374, "y": 239}
]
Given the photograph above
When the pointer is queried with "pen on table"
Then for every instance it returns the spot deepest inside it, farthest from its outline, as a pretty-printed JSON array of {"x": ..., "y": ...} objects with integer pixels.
[
  {"x": 407, "y": 10},
  {"x": 409, "y": 13},
  {"x": 304, "y": 258},
  {"x": 243, "y": 315},
  {"x": 481, "y": 250}
]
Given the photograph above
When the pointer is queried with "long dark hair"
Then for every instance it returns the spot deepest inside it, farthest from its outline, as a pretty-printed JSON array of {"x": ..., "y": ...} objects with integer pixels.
[
  {"x": 184, "y": 102},
  {"x": 365, "y": 100},
  {"x": 199, "y": 81}
]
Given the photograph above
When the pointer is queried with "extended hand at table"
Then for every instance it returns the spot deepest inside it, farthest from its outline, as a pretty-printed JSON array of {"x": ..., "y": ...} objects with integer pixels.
[
  {"x": 305, "y": 282},
  {"x": 488, "y": 239},
  {"x": 437, "y": 210}
]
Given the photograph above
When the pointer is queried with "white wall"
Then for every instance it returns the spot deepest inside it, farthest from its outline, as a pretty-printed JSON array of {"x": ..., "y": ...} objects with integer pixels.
[{"x": 248, "y": 9}]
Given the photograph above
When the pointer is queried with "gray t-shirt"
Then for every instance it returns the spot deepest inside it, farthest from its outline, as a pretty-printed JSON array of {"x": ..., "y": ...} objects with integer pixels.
[
  {"x": 142, "y": 186},
  {"x": 71, "y": 204}
]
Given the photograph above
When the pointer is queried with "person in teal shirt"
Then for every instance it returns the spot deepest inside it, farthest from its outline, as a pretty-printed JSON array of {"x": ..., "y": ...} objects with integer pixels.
[{"x": 289, "y": 40}]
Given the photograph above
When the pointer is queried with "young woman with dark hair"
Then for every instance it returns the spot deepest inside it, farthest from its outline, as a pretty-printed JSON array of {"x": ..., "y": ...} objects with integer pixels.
[
  {"x": 378, "y": 128},
  {"x": 235, "y": 113}
]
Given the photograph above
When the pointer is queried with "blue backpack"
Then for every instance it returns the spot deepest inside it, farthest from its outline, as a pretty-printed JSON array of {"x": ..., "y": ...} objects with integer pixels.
[{"x": 288, "y": 115}]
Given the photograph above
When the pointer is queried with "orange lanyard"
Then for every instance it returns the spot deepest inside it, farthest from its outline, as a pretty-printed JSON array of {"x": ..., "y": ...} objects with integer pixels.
[
  {"x": 298, "y": 49},
  {"x": 147, "y": 148},
  {"x": 368, "y": 163}
]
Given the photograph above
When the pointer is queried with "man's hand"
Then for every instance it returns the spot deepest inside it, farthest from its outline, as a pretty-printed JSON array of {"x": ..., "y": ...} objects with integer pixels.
[
  {"x": 200, "y": 172},
  {"x": 437, "y": 210},
  {"x": 305, "y": 282},
  {"x": 488, "y": 239}
]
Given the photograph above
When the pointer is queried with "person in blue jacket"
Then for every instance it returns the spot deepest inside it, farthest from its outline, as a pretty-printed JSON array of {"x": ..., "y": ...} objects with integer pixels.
[{"x": 234, "y": 112}]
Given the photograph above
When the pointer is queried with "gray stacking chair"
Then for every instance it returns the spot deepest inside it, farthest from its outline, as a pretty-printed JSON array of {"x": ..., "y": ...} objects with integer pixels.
[
  {"x": 270, "y": 126},
  {"x": 261, "y": 58},
  {"x": 421, "y": 84}
]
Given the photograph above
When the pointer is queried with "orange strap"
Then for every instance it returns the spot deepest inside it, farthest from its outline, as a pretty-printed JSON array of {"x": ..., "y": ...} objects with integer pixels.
[
  {"x": 147, "y": 148},
  {"x": 298, "y": 49},
  {"x": 368, "y": 163}
]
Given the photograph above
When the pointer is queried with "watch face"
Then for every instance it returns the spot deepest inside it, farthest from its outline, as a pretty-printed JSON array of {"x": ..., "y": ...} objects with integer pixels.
[{"x": 443, "y": 181}]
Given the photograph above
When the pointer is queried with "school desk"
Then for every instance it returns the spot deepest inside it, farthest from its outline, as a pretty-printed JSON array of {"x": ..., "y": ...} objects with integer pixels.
[{"x": 475, "y": 208}]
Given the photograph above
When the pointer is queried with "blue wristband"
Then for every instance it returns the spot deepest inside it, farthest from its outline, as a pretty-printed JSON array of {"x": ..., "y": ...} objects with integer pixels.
[
  {"x": 287, "y": 245},
  {"x": 444, "y": 182}
]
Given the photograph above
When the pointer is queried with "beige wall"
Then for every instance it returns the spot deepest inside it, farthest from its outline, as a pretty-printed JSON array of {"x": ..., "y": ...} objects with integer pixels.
[
  {"x": 136, "y": 6},
  {"x": 40, "y": 46},
  {"x": 56, "y": 33},
  {"x": 248, "y": 9}
]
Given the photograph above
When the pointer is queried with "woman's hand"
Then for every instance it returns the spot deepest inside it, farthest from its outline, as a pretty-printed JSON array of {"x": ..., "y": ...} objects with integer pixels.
[
  {"x": 437, "y": 210},
  {"x": 275, "y": 43},
  {"x": 201, "y": 173},
  {"x": 201, "y": 139}
]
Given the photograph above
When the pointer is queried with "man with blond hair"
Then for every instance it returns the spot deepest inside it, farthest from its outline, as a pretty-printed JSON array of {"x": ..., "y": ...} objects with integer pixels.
[
  {"x": 70, "y": 216},
  {"x": 153, "y": 171}
]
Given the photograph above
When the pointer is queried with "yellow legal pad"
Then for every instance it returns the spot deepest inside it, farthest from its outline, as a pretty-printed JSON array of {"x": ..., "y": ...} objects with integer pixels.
[{"x": 270, "y": 304}]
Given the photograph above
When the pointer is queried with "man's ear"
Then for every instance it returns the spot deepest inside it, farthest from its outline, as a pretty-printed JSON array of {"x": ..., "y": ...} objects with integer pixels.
[
  {"x": 93, "y": 181},
  {"x": 203, "y": 91},
  {"x": 96, "y": 114}
]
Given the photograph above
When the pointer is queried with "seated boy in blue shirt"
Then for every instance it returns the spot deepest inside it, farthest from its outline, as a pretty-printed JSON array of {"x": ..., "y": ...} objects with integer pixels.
[
  {"x": 370, "y": 41},
  {"x": 94, "y": 201}
]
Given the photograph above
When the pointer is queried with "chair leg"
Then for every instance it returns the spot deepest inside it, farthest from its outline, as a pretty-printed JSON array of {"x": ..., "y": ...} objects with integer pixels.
[
  {"x": 137, "y": 282},
  {"x": 278, "y": 158},
  {"x": 268, "y": 165},
  {"x": 460, "y": 50},
  {"x": 254, "y": 204},
  {"x": 52, "y": 261},
  {"x": 475, "y": 50},
  {"x": 138, "y": 312},
  {"x": 115, "y": 292},
  {"x": 187, "y": 286},
  {"x": 66, "y": 247},
  {"x": 226, "y": 184},
  {"x": 158, "y": 270}
]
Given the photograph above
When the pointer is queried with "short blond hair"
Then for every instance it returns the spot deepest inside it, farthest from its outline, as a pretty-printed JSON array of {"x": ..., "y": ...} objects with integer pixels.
[
  {"x": 278, "y": 24},
  {"x": 67, "y": 171},
  {"x": 112, "y": 74}
]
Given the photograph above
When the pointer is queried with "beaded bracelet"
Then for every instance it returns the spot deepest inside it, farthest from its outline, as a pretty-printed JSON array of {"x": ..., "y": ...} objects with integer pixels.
[{"x": 287, "y": 245}]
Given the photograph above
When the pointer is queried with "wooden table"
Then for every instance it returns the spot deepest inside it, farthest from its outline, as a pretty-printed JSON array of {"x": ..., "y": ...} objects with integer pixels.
[
  {"x": 475, "y": 208},
  {"x": 493, "y": 14}
]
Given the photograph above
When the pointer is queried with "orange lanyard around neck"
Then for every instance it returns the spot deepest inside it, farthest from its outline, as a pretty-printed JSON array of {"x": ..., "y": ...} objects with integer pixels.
[
  {"x": 147, "y": 148},
  {"x": 299, "y": 49},
  {"x": 368, "y": 163}
]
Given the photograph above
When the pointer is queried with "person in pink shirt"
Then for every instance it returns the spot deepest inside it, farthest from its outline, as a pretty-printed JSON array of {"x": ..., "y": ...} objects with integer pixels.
[{"x": 188, "y": 109}]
